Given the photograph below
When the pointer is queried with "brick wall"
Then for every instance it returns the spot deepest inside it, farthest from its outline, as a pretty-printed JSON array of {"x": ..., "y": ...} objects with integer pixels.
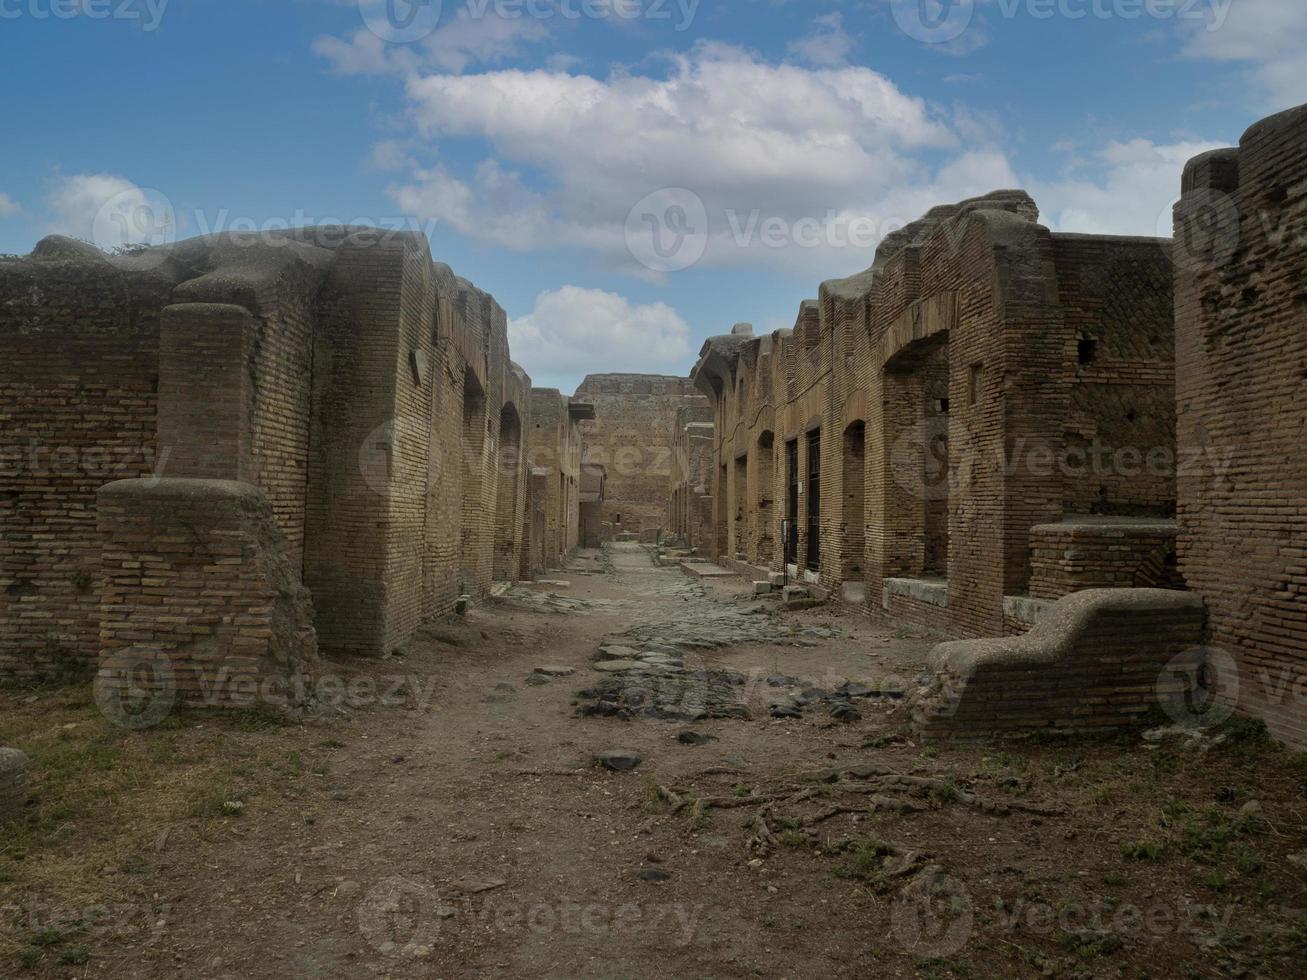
[
  {"x": 952, "y": 385},
  {"x": 1109, "y": 554},
  {"x": 1241, "y": 352},
  {"x": 329, "y": 368},
  {"x": 631, "y": 437},
  {"x": 200, "y": 599},
  {"x": 77, "y": 410}
]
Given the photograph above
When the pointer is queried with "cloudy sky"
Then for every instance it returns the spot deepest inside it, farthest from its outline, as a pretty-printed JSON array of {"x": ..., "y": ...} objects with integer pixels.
[{"x": 626, "y": 176}]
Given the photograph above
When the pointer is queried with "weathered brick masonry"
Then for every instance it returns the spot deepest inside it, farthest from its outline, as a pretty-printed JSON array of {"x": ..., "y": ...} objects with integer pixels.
[
  {"x": 553, "y": 452},
  {"x": 1241, "y": 320},
  {"x": 689, "y": 510},
  {"x": 985, "y": 376},
  {"x": 630, "y": 437},
  {"x": 364, "y": 392}
]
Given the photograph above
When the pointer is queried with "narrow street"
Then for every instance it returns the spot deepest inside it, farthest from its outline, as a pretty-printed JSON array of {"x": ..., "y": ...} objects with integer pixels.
[{"x": 468, "y": 832}]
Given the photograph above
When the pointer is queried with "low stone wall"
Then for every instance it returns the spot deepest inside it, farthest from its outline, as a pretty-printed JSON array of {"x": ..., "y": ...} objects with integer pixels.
[
  {"x": 201, "y": 604},
  {"x": 1101, "y": 553},
  {"x": 922, "y": 602},
  {"x": 1093, "y": 663}
]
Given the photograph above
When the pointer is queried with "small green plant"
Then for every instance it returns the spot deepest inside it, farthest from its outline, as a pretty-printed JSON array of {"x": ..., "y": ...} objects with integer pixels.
[
  {"x": 1114, "y": 880},
  {"x": 793, "y": 838},
  {"x": 74, "y": 956},
  {"x": 81, "y": 580},
  {"x": 866, "y": 861},
  {"x": 1243, "y": 730},
  {"x": 1216, "y": 881},
  {"x": 1143, "y": 850}
]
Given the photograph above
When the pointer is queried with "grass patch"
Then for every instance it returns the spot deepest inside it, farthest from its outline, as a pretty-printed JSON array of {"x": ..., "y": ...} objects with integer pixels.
[{"x": 1143, "y": 850}]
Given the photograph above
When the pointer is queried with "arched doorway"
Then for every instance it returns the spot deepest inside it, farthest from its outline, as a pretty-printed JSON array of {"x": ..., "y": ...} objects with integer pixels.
[
  {"x": 508, "y": 515},
  {"x": 767, "y": 527},
  {"x": 854, "y": 501}
]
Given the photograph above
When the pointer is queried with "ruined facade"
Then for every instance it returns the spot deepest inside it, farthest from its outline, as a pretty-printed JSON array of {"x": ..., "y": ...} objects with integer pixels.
[
  {"x": 986, "y": 393},
  {"x": 689, "y": 518},
  {"x": 322, "y": 434},
  {"x": 630, "y": 437},
  {"x": 1241, "y": 349},
  {"x": 554, "y": 457}
]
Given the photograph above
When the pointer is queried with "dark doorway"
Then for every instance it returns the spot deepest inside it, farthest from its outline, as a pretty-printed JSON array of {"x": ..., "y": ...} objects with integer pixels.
[
  {"x": 814, "y": 501},
  {"x": 791, "y": 528}
]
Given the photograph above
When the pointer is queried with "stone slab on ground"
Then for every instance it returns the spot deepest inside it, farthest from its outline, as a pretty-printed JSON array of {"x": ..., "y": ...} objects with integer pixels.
[{"x": 704, "y": 569}]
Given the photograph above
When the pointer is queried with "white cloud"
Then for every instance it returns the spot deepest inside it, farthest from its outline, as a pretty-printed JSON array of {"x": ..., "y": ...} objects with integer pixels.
[
  {"x": 573, "y": 154},
  {"x": 1128, "y": 191},
  {"x": 1270, "y": 36},
  {"x": 574, "y": 331},
  {"x": 8, "y": 206},
  {"x": 828, "y": 44},
  {"x": 465, "y": 40},
  {"x": 109, "y": 210}
]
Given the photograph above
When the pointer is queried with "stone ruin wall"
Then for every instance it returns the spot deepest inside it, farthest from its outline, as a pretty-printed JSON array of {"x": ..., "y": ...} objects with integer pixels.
[
  {"x": 1241, "y": 317},
  {"x": 976, "y": 339},
  {"x": 631, "y": 438},
  {"x": 554, "y": 449},
  {"x": 689, "y": 508},
  {"x": 330, "y": 371}
]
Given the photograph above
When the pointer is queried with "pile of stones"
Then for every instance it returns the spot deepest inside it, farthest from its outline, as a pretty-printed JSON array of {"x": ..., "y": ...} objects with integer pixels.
[
  {"x": 795, "y": 697},
  {"x": 655, "y": 683}
]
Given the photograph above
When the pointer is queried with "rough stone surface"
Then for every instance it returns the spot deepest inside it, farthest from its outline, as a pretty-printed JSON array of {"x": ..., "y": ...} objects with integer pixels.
[
  {"x": 1093, "y": 664},
  {"x": 618, "y": 760},
  {"x": 975, "y": 331},
  {"x": 13, "y": 784},
  {"x": 631, "y": 437},
  {"x": 281, "y": 361},
  {"x": 1241, "y": 367}
]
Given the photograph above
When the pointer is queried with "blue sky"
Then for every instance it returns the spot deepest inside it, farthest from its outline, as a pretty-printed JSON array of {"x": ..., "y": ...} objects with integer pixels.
[{"x": 546, "y": 147}]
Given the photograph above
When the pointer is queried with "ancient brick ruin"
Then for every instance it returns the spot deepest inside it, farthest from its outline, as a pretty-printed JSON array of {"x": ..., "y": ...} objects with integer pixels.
[
  {"x": 998, "y": 427},
  {"x": 1078, "y": 457},
  {"x": 631, "y": 437},
  {"x": 227, "y": 453},
  {"x": 1241, "y": 371},
  {"x": 931, "y": 428}
]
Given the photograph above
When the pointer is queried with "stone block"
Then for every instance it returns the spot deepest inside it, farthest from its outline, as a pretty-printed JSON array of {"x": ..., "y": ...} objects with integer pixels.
[{"x": 762, "y": 588}]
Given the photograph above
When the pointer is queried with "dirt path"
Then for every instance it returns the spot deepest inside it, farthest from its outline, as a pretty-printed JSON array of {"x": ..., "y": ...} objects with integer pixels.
[{"x": 467, "y": 833}]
